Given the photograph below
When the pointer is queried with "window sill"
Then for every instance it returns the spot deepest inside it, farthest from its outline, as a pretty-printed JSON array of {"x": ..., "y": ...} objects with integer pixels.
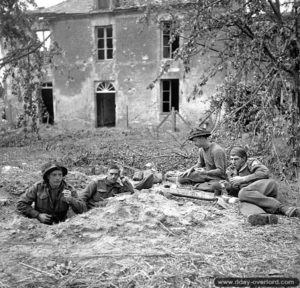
[{"x": 104, "y": 60}]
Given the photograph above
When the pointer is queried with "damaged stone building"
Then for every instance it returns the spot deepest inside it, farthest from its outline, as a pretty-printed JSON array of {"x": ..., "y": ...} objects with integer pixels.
[{"x": 108, "y": 61}]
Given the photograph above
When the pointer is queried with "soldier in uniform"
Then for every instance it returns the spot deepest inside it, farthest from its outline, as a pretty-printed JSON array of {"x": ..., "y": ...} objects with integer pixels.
[
  {"x": 51, "y": 197},
  {"x": 258, "y": 194},
  {"x": 104, "y": 187}
]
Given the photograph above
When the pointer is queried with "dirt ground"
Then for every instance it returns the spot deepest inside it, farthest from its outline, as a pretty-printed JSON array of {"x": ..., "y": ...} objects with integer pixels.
[{"x": 139, "y": 240}]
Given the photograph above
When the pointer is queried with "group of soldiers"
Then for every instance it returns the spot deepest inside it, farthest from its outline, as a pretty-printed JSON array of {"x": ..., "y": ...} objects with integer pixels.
[
  {"x": 50, "y": 199},
  {"x": 248, "y": 179}
]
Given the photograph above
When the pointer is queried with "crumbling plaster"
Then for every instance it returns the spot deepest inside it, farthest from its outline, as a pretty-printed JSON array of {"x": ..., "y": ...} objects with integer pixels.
[{"x": 137, "y": 62}]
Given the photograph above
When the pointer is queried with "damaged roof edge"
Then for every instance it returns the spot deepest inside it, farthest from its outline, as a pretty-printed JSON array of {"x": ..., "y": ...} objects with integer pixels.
[
  {"x": 87, "y": 7},
  {"x": 62, "y": 14},
  {"x": 55, "y": 14}
]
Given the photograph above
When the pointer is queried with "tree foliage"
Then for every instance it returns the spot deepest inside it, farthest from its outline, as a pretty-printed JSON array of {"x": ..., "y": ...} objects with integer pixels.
[
  {"x": 255, "y": 45},
  {"x": 24, "y": 59}
]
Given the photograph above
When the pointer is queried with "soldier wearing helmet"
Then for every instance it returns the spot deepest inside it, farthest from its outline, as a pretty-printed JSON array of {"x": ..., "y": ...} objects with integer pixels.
[{"x": 49, "y": 200}]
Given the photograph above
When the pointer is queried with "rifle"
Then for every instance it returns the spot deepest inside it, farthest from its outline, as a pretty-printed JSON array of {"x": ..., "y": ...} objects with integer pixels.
[
  {"x": 192, "y": 194},
  {"x": 194, "y": 197},
  {"x": 199, "y": 195}
]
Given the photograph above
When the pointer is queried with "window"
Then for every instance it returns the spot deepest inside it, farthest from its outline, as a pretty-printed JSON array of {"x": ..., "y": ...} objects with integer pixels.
[
  {"x": 43, "y": 36},
  {"x": 105, "y": 42},
  {"x": 168, "y": 47},
  {"x": 103, "y": 4},
  {"x": 170, "y": 95}
]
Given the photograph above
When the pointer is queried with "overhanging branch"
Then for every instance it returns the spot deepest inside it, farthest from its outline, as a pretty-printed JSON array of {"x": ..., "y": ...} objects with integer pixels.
[{"x": 21, "y": 53}]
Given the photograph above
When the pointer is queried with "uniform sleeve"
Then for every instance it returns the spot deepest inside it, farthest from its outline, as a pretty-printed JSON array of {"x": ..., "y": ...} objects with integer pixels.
[
  {"x": 87, "y": 194},
  {"x": 76, "y": 203},
  {"x": 220, "y": 163},
  {"x": 24, "y": 205},
  {"x": 127, "y": 187},
  {"x": 258, "y": 171},
  {"x": 200, "y": 162}
]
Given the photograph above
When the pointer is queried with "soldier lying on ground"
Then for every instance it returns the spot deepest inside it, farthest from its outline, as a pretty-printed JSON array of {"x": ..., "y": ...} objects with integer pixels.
[
  {"x": 249, "y": 179},
  {"x": 211, "y": 165},
  {"x": 104, "y": 187},
  {"x": 52, "y": 197}
]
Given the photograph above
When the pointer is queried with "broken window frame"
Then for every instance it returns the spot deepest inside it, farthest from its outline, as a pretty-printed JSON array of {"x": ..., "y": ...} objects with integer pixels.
[
  {"x": 167, "y": 101},
  {"x": 106, "y": 39},
  {"x": 168, "y": 48}
]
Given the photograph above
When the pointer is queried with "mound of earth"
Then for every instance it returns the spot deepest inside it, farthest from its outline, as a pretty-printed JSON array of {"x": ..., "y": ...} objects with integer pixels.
[{"x": 128, "y": 215}]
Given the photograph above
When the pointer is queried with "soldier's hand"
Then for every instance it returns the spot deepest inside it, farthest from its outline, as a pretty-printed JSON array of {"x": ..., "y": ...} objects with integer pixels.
[
  {"x": 187, "y": 172},
  {"x": 45, "y": 218},
  {"x": 67, "y": 195},
  {"x": 236, "y": 181},
  {"x": 124, "y": 179},
  {"x": 226, "y": 184}
]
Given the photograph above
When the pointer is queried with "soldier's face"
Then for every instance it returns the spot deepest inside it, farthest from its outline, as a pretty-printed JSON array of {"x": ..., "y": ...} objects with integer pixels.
[
  {"x": 200, "y": 142},
  {"x": 113, "y": 175},
  {"x": 237, "y": 162},
  {"x": 55, "y": 177}
]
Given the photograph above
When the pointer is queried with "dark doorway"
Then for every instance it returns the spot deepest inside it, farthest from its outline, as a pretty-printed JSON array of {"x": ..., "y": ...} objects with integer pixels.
[
  {"x": 106, "y": 109},
  {"x": 47, "y": 111}
]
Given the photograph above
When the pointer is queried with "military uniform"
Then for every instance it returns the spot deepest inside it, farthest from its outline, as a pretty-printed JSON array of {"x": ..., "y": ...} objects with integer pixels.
[
  {"x": 102, "y": 189},
  {"x": 257, "y": 193},
  {"x": 49, "y": 201}
]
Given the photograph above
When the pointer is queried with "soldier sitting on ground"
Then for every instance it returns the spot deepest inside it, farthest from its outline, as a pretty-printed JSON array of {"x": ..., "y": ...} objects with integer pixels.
[
  {"x": 249, "y": 179},
  {"x": 51, "y": 197},
  {"x": 211, "y": 165}
]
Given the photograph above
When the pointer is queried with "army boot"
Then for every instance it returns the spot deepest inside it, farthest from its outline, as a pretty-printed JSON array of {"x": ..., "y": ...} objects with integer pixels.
[
  {"x": 146, "y": 183},
  {"x": 289, "y": 211},
  {"x": 262, "y": 219}
]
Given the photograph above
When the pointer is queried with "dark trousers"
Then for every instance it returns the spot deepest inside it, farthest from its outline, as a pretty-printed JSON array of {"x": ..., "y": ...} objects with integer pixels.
[
  {"x": 259, "y": 197},
  {"x": 202, "y": 182}
]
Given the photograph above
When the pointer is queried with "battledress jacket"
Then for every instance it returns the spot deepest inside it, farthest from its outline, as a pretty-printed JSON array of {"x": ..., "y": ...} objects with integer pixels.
[
  {"x": 101, "y": 189},
  {"x": 49, "y": 201},
  {"x": 252, "y": 171}
]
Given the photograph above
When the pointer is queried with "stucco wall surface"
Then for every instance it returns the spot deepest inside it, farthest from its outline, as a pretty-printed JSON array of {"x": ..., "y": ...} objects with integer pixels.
[{"x": 137, "y": 62}]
